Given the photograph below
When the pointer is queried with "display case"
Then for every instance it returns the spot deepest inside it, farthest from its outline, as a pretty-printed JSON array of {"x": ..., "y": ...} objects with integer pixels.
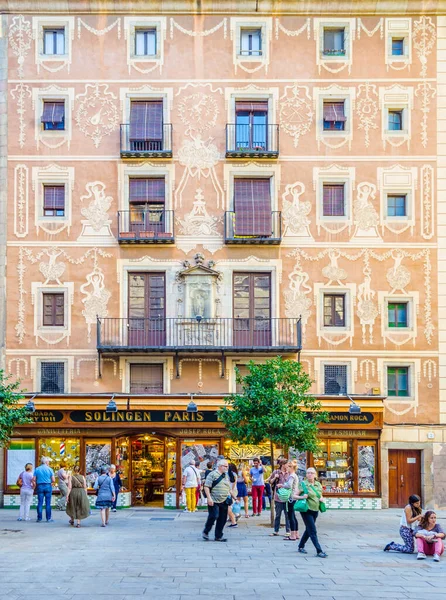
[{"x": 335, "y": 466}]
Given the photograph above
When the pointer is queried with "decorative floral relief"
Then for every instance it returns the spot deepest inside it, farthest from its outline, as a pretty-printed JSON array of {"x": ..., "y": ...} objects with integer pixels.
[
  {"x": 296, "y": 111},
  {"x": 427, "y": 202},
  {"x": 295, "y": 213},
  {"x": 96, "y": 212},
  {"x": 332, "y": 271},
  {"x": 97, "y": 113},
  {"x": 366, "y": 218},
  {"x": 20, "y": 40},
  {"x": 21, "y": 93},
  {"x": 52, "y": 270},
  {"x": 200, "y": 362},
  {"x": 96, "y": 297},
  {"x": 367, "y": 309},
  {"x": 371, "y": 32},
  {"x": 193, "y": 33},
  {"x": 429, "y": 371},
  {"x": 21, "y": 204},
  {"x": 424, "y": 36},
  {"x": 199, "y": 224},
  {"x": 426, "y": 92},
  {"x": 293, "y": 33},
  {"x": 398, "y": 276},
  {"x": 367, "y": 109},
  {"x": 198, "y": 112},
  {"x": 367, "y": 369},
  {"x": 98, "y": 32},
  {"x": 298, "y": 296}
]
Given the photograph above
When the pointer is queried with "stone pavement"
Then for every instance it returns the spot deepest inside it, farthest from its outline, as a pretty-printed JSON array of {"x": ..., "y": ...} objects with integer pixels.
[{"x": 160, "y": 554}]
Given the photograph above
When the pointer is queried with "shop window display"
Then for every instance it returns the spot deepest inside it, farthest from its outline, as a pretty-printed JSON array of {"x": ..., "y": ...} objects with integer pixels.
[
  {"x": 20, "y": 452},
  {"x": 171, "y": 466},
  {"x": 203, "y": 451},
  {"x": 367, "y": 467},
  {"x": 148, "y": 470},
  {"x": 334, "y": 465},
  {"x": 122, "y": 460},
  {"x": 60, "y": 451},
  {"x": 97, "y": 454}
]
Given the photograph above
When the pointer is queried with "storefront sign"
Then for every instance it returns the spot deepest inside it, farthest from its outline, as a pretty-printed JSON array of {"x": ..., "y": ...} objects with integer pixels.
[
  {"x": 61, "y": 432},
  {"x": 347, "y": 418},
  {"x": 143, "y": 416},
  {"x": 47, "y": 416},
  {"x": 218, "y": 432},
  {"x": 345, "y": 433}
]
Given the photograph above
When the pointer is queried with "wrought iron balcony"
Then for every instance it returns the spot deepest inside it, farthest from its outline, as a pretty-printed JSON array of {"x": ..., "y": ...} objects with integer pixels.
[
  {"x": 247, "y": 141},
  {"x": 146, "y": 226},
  {"x": 140, "y": 148},
  {"x": 257, "y": 230},
  {"x": 198, "y": 335}
]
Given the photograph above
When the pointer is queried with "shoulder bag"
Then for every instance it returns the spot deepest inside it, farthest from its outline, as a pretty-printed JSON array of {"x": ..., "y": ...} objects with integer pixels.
[
  {"x": 228, "y": 500},
  {"x": 19, "y": 481},
  {"x": 322, "y": 505},
  {"x": 284, "y": 494},
  {"x": 302, "y": 505}
]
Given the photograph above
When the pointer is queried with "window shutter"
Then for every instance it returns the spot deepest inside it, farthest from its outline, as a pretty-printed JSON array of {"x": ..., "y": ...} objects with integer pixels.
[
  {"x": 251, "y": 106},
  {"x": 333, "y": 201},
  {"x": 334, "y": 111},
  {"x": 252, "y": 205},
  {"x": 147, "y": 191},
  {"x": 146, "y": 121},
  {"x": 54, "y": 197},
  {"x": 53, "y": 112},
  {"x": 146, "y": 379}
]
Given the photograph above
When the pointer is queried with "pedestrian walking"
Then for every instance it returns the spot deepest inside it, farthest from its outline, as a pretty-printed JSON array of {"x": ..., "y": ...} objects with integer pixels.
[
  {"x": 242, "y": 488},
  {"x": 410, "y": 519},
  {"x": 105, "y": 494},
  {"x": 191, "y": 480},
  {"x": 117, "y": 483},
  {"x": 278, "y": 477},
  {"x": 429, "y": 536},
  {"x": 291, "y": 484},
  {"x": 78, "y": 506},
  {"x": 198, "y": 490},
  {"x": 232, "y": 474},
  {"x": 26, "y": 484},
  {"x": 209, "y": 468},
  {"x": 217, "y": 488},
  {"x": 311, "y": 490},
  {"x": 267, "y": 490},
  {"x": 43, "y": 481},
  {"x": 62, "y": 484},
  {"x": 258, "y": 485}
]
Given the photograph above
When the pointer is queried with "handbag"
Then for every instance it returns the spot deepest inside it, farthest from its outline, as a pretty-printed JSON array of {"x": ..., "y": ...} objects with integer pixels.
[
  {"x": 302, "y": 504},
  {"x": 229, "y": 501},
  {"x": 284, "y": 494},
  {"x": 19, "y": 481},
  {"x": 322, "y": 505}
]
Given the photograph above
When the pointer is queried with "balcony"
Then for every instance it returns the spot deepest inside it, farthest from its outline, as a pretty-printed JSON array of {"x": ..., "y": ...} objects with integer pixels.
[
  {"x": 198, "y": 335},
  {"x": 146, "y": 226},
  {"x": 153, "y": 148},
  {"x": 264, "y": 230},
  {"x": 252, "y": 141}
]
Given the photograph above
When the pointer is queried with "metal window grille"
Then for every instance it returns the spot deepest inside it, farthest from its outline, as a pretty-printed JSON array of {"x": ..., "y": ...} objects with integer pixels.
[
  {"x": 335, "y": 379},
  {"x": 52, "y": 377}
]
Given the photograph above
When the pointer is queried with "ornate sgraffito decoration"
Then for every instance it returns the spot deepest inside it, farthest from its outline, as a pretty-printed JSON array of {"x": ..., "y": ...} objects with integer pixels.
[
  {"x": 424, "y": 36},
  {"x": 148, "y": 63},
  {"x": 198, "y": 112},
  {"x": 398, "y": 179},
  {"x": 251, "y": 63},
  {"x": 96, "y": 297},
  {"x": 367, "y": 109},
  {"x": 97, "y": 112},
  {"x": 425, "y": 92},
  {"x": 295, "y": 213},
  {"x": 427, "y": 202},
  {"x": 365, "y": 217},
  {"x": 334, "y": 62},
  {"x": 18, "y": 362},
  {"x": 21, "y": 93},
  {"x": 97, "y": 222},
  {"x": 371, "y": 32},
  {"x": 194, "y": 33},
  {"x": 367, "y": 369},
  {"x": 296, "y": 111},
  {"x": 429, "y": 371},
  {"x": 52, "y": 270},
  {"x": 98, "y": 32},
  {"x": 200, "y": 361},
  {"x": 80, "y": 361},
  {"x": 53, "y": 63},
  {"x": 56, "y": 138},
  {"x": 199, "y": 227},
  {"x": 398, "y": 276},
  {"x": 298, "y": 296},
  {"x": 332, "y": 271},
  {"x": 293, "y": 33},
  {"x": 21, "y": 201},
  {"x": 20, "y": 40},
  {"x": 56, "y": 174},
  {"x": 396, "y": 95},
  {"x": 367, "y": 309},
  {"x": 334, "y": 139},
  {"x": 333, "y": 174}
]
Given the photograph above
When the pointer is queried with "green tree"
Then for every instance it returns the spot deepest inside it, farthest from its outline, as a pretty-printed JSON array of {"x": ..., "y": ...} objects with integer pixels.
[
  {"x": 11, "y": 414},
  {"x": 274, "y": 406}
]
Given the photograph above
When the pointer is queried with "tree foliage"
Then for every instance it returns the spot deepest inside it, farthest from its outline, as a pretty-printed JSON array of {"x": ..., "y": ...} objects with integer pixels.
[
  {"x": 274, "y": 405},
  {"x": 11, "y": 414}
]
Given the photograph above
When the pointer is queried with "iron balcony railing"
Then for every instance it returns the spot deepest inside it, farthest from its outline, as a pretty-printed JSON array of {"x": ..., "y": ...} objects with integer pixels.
[
  {"x": 252, "y": 140},
  {"x": 146, "y": 226},
  {"x": 266, "y": 229},
  {"x": 156, "y": 147},
  {"x": 135, "y": 334}
]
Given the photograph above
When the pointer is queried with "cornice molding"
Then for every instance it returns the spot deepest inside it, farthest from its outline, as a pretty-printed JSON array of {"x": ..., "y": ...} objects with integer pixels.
[{"x": 226, "y": 7}]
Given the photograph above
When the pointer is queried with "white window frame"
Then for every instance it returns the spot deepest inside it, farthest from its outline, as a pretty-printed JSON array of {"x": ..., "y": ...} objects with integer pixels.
[
  {"x": 348, "y": 305},
  {"x": 143, "y": 170},
  {"x": 145, "y": 64},
  {"x": 399, "y": 335},
  {"x": 398, "y": 28},
  {"x": 53, "y": 175},
  {"x": 252, "y": 171},
  {"x": 397, "y": 180},
  {"x": 336, "y": 175},
  {"x": 396, "y": 98},
  {"x": 53, "y": 62},
  {"x": 53, "y": 138},
  {"x": 245, "y": 62},
  {"x": 334, "y": 64},
  {"x": 126, "y": 361},
  {"x": 68, "y": 370},
  {"x": 319, "y": 372},
  {"x": 49, "y": 334},
  {"x": 329, "y": 334},
  {"x": 146, "y": 92},
  {"x": 414, "y": 375},
  {"x": 334, "y": 93}
]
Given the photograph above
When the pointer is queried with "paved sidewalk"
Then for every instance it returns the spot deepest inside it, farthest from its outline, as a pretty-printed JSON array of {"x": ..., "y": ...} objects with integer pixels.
[{"x": 160, "y": 554}]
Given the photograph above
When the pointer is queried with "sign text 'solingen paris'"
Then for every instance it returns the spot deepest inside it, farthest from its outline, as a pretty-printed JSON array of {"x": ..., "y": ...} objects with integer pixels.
[{"x": 143, "y": 416}]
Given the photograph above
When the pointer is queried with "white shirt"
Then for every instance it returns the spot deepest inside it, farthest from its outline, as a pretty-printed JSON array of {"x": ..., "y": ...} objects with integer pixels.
[{"x": 192, "y": 477}]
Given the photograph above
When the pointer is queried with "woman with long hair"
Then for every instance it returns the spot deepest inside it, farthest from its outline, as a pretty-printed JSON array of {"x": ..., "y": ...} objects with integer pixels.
[
  {"x": 409, "y": 521},
  {"x": 292, "y": 484},
  {"x": 232, "y": 475},
  {"x": 429, "y": 535}
]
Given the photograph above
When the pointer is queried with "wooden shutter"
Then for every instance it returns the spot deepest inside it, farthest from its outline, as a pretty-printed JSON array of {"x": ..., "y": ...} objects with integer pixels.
[
  {"x": 146, "y": 379},
  {"x": 147, "y": 191},
  {"x": 252, "y": 206},
  {"x": 334, "y": 111},
  {"x": 53, "y": 310},
  {"x": 333, "y": 200},
  {"x": 251, "y": 106},
  {"x": 146, "y": 120},
  {"x": 54, "y": 197},
  {"x": 53, "y": 112}
]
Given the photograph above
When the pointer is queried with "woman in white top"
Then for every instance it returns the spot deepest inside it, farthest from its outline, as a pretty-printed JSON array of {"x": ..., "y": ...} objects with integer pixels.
[{"x": 409, "y": 522}]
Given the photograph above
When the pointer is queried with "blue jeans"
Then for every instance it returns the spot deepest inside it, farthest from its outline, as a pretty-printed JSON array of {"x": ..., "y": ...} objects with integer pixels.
[{"x": 44, "y": 490}]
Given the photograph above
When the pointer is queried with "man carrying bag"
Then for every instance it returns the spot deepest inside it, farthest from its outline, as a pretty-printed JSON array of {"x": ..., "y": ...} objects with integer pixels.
[{"x": 217, "y": 488}]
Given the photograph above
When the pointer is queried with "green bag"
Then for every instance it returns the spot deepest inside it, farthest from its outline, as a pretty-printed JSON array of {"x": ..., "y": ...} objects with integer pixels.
[
  {"x": 284, "y": 494},
  {"x": 302, "y": 505},
  {"x": 322, "y": 505}
]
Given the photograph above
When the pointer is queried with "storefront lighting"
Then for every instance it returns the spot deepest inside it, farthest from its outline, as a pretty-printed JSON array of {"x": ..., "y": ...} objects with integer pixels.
[
  {"x": 111, "y": 406},
  {"x": 192, "y": 407},
  {"x": 354, "y": 409},
  {"x": 29, "y": 406}
]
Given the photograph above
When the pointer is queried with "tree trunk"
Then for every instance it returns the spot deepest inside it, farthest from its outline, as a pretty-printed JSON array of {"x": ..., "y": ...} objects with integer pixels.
[{"x": 272, "y": 495}]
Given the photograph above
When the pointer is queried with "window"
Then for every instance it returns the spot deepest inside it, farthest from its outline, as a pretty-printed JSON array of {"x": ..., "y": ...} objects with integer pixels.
[
  {"x": 397, "y": 313},
  {"x": 334, "y": 464},
  {"x": 54, "y": 41},
  {"x": 251, "y": 42},
  {"x": 395, "y": 120},
  {"x": 334, "y": 310},
  {"x": 54, "y": 200},
  {"x": 335, "y": 379},
  {"x": 397, "y": 46},
  {"x": 396, "y": 206},
  {"x": 52, "y": 377},
  {"x": 334, "y": 42},
  {"x": 333, "y": 200},
  {"x": 251, "y": 125},
  {"x": 252, "y": 207},
  {"x": 146, "y": 125},
  {"x": 146, "y": 199},
  {"x": 53, "y": 116},
  {"x": 145, "y": 42},
  {"x": 243, "y": 372},
  {"x": 252, "y": 310},
  {"x": 146, "y": 378},
  {"x": 334, "y": 116},
  {"x": 398, "y": 381},
  {"x": 53, "y": 310}
]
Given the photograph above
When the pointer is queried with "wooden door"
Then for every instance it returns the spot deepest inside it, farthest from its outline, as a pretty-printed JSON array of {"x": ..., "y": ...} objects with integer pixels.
[
  {"x": 404, "y": 476},
  {"x": 252, "y": 310},
  {"x": 147, "y": 310}
]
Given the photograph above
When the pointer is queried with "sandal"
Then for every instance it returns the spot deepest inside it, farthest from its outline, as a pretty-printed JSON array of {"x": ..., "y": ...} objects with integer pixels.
[
  {"x": 71, "y": 522},
  {"x": 273, "y": 534},
  {"x": 78, "y": 525}
]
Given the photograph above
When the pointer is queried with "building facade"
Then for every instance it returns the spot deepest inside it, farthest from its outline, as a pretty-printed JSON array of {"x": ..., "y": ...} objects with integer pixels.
[{"x": 187, "y": 191}]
